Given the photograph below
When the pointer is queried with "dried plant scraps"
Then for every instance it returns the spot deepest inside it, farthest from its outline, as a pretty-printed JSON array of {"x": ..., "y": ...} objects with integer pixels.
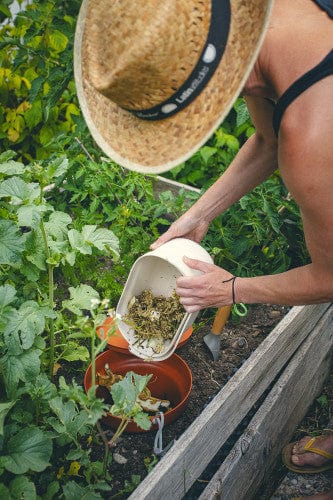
[{"x": 154, "y": 318}]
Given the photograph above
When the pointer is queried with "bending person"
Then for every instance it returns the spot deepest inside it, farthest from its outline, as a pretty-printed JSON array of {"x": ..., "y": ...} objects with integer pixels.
[{"x": 290, "y": 89}]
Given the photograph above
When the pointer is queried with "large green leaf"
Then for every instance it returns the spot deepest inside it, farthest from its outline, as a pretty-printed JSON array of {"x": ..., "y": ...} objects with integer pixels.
[
  {"x": 12, "y": 243},
  {"x": 78, "y": 243},
  {"x": 80, "y": 298},
  {"x": 70, "y": 421},
  {"x": 90, "y": 236},
  {"x": 25, "y": 324},
  {"x": 126, "y": 391},
  {"x": 29, "y": 449},
  {"x": 35, "y": 249},
  {"x": 16, "y": 188},
  {"x": 57, "y": 225},
  {"x": 22, "y": 487},
  {"x": 25, "y": 367},
  {"x": 101, "y": 238},
  {"x": 73, "y": 491},
  {"x": 7, "y": 295},
  {"x": 30, "y": 215},
  {"x": 75, "y": 352},
  {"x": 57, "y": 167},
  {"x": 4, "y": 409},
  {"x": 58, "y": 248},
  {"x": 11, "y": 167}
]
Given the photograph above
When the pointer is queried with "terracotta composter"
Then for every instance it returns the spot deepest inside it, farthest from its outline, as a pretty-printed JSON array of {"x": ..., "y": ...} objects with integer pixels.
[{"x": 171, "y": 379}]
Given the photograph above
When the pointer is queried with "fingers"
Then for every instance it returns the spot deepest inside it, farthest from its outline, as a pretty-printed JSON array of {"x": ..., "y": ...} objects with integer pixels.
[
  {"x": 161, "y": 240},
  {"x": 192, "y": 309},
  {"x": 199, "y": 265},
  {"x": 170, "y": 234},
  {"x": 210, "y": 288},
  {"x": 184, "y": 227}
]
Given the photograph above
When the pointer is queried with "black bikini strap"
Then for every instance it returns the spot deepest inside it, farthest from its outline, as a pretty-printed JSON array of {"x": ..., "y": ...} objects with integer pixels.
[
  {"x": 323, "y": 69},
  {"x": 326, "y": 5}
]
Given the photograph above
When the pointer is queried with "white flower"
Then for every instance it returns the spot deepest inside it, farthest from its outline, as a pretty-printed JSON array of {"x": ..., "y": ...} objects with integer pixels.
[
  {"x": 112, "y": 313},
  {"x": 105, "y": 303},
  {"x": 94, "y": 303}
]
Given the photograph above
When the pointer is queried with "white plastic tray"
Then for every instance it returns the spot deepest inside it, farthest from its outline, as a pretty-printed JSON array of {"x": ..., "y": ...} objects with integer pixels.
[{"x": 158, "y": 271}]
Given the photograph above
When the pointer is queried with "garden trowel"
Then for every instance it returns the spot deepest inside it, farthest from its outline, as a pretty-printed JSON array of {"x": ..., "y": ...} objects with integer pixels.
[{"x": 213, "y": 339}]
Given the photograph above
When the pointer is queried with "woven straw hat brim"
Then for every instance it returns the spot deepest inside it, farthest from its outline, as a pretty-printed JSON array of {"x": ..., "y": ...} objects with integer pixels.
[{"x": 153, "y": 147}]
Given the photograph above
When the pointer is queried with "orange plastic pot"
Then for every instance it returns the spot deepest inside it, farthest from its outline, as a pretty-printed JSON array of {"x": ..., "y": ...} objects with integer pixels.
[
  {"x": 118, "y": 342},
  {"x": 171, "y": 379}
]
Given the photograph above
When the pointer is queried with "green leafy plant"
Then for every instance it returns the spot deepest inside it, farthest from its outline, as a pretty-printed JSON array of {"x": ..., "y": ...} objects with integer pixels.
[
  {"x": 125, "y": 394},
  {"x": 205, "y": 166},
  {"x": 37, "y": 92},
  {"x": 262, "y": 234},
  {"x": 36, "y": 240},
  {"x": 102, "y": 192}
]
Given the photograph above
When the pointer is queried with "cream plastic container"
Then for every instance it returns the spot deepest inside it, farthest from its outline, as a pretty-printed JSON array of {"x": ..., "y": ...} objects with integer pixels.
[{"x": 158, "y": 271}]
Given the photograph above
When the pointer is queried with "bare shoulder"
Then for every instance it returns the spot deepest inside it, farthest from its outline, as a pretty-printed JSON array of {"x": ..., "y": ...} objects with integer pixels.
[
  {"x": 305, "y": 139},
  {"x": 300, "y": 35}
]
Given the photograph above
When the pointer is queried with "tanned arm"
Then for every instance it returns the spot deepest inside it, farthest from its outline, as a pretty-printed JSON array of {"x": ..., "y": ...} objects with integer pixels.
[{"x": 306, "y": 164}]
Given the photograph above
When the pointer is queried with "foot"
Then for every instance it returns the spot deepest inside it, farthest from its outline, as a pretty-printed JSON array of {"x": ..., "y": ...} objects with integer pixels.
[{"x": 302, "y": 457}]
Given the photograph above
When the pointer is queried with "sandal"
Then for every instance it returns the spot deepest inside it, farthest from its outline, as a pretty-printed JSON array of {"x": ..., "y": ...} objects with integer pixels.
[{"x": 311, "y": 448}]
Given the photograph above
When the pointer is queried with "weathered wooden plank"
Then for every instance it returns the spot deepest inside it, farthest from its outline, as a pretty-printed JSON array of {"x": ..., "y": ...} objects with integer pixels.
[
  {"x": 253, "y": 457},
  {"x": 186, "y": 460}
]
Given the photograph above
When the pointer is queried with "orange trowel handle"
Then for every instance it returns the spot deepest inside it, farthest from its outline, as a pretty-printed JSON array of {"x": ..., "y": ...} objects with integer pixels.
[{"x": 220, "y": 320}]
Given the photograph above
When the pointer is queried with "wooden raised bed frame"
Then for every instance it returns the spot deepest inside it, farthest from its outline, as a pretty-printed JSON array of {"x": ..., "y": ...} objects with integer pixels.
[{"x": 292, "y": 364}]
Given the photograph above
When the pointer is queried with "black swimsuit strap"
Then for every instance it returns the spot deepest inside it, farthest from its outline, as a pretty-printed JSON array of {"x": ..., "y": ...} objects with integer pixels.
[
  {"x": 326, "y": 5},
  {"x": 323, "y": 69}
]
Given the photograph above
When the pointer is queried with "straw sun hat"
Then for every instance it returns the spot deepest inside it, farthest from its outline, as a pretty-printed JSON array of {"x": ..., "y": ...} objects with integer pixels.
[{"x": 155, "y": 78}]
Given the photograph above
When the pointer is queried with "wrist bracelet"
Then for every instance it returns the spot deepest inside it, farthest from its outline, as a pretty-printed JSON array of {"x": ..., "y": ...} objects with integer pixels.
[{"x": 233, "y": 279}]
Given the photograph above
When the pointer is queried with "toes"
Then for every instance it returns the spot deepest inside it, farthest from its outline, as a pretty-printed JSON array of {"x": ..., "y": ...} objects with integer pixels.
[
  {"x": 307, "y": 459},
  {"x": 297, "y": 460},
  {"x": 299, "y": 445}
]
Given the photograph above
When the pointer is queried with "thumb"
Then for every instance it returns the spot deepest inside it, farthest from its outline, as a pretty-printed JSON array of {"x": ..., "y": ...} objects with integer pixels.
[
  {"x": 199, "y": 265},
  {"x": 160, "y": 241}
]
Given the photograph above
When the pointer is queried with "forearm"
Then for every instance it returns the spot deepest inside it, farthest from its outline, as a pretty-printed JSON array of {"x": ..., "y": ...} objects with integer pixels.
[
  {"x": 303, "y": 285},
  {"x": 253, "y": 164}
]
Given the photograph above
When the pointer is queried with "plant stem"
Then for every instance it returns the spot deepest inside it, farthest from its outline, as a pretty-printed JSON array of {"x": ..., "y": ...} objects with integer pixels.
[
  {"x": 106, "y": 448},
  {"x": 84, "y": 149},
  {"x": 51, "y": 298},
  {"x": 122, "y": 426},
  {"x": 93, "y": 358}
]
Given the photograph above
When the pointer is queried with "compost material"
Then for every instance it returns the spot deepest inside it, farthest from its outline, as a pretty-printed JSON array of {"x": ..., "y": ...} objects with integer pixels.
[{"x": 154, "y": 318}]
